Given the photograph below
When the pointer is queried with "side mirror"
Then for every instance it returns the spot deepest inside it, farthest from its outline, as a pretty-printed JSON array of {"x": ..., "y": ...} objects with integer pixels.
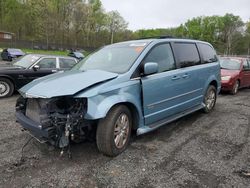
[
  {"x": 36, "y": 67},
  {"x": 150, "y": 68}
]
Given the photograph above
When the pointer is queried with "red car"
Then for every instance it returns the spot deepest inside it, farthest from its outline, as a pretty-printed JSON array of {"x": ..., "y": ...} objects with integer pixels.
[{"x": 235, "y": 73}]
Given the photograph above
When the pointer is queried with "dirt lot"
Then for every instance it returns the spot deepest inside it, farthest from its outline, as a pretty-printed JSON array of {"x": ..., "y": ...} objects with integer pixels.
[{"x": 200, "y": 150}]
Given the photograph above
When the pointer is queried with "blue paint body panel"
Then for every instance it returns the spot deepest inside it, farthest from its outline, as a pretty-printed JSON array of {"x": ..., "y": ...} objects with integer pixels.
[{"x": 161, "y": 97}]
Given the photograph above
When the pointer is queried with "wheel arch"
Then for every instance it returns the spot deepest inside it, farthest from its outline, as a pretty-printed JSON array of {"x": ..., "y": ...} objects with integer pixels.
[
  {"x": 212, "y": 81},
  {"x": 100, "y": 110},
  {"x": 134, "y": 112},
  {"x": 9, "y": 78}
]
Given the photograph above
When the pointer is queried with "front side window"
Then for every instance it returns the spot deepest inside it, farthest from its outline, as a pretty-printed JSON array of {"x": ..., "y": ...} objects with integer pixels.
[
  {"x": 208, "y": 53},
  {"x": 187, "y": 54},
  {"x": 161, "y": 54},
  {"x": 117, "y": 58},
  {"x": 47, "y": 63},
  {"x": 246, "y": 65}
]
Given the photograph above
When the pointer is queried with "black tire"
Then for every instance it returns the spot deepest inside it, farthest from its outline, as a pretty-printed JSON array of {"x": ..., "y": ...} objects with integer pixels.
[
  {"x": 6, "y": 88},
  {"x": 106, "y": 136},
  {"x": 210, "y": 99},
  {"x": 9, "y": 58},
  {"x": 235, "y": 88}
]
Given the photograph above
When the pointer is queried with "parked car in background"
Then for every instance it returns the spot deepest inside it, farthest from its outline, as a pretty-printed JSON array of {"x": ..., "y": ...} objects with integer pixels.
[
  {"x": 9, "y": 54},
  {"x": 30, "y": 67},
  {"x": 135, "y": 85},
  {"x": 77, "y": 55},
  {"x": 235, "y": 73}
]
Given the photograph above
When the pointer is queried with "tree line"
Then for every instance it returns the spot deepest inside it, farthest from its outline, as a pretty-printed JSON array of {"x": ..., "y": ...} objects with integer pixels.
[
  {"x": 86, "y": 23},
  {"x": 228, "y": 33},
  {"x": 72, "y": 22}
]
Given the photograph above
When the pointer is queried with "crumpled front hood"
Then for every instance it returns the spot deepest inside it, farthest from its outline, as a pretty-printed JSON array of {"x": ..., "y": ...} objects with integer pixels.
[{"x": 63, "y": 84}]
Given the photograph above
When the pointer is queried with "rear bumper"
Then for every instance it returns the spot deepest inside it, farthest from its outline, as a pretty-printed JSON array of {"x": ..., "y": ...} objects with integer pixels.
[{"x": 33, "y": 127}]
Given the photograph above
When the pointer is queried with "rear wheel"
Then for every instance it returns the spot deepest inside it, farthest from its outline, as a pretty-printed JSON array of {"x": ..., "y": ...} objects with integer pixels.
[
  {"x": 113, "y": 132},
  {"x": 6, "y": 87},
  {"x": 210, "y": 99},
  {"x": 236, "y": 87}
]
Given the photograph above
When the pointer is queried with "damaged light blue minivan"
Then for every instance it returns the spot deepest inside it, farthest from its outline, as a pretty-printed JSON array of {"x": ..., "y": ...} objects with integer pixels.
[{"x": 129, "y": 86}]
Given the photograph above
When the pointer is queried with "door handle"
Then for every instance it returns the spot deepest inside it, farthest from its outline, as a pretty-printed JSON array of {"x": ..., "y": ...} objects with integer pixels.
[
  {"x": 185, "y": 76},
  {"x": 176, "y": 77}
]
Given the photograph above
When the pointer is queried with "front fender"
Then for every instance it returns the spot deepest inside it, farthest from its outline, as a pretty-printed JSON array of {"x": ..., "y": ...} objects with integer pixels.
[{"x": 99, "y": 106}]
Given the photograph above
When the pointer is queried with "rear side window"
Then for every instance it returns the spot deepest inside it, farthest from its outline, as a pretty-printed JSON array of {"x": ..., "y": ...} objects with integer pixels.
[
  {"x": 186, "y": 54},
  {"x": 161, "y": 54},
  {"x": 208, "y": 53},
  {"x": 66, "y": 63}
]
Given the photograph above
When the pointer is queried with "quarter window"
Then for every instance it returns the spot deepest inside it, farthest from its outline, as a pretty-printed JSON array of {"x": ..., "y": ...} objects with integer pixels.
[
  {"x": 47, "y": 63},
  {"x": 208, "y": 53},
  {"x": 161, "y": 54},
  {"x": 187, "y": 54}
]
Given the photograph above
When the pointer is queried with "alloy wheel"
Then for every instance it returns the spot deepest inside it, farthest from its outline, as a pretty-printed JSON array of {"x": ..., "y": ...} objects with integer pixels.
[
  {"x": 210, "y": 99},
  {"x": 121, "y": 131},
  {"x": 4, "y": 88}
]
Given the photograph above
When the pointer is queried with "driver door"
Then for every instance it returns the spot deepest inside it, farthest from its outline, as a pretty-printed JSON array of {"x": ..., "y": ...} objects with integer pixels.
[
  {"x": 45, "y": 67},
  {"x": 246, "y": 74}
]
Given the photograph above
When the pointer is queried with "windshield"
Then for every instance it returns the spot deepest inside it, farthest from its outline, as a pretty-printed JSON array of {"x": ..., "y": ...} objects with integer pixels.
[
  {"x": 117, "y": 58},
  {"x": 230, "y": 64},
  {"x": 26, "y": 61}
]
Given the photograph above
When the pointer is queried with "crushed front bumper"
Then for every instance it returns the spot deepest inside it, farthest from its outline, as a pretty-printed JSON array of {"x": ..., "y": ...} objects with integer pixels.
[{"x": 33, "y": 127}]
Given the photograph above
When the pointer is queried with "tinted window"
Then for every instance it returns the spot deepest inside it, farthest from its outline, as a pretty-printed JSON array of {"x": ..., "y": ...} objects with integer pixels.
[
  {"x": 47, "y": 63},
  {"x": 66, "y": 63},
  {"x": 187, "y": 54},
  {"x": 208, "y": 53},
  {"x": 161, "y": 54}
]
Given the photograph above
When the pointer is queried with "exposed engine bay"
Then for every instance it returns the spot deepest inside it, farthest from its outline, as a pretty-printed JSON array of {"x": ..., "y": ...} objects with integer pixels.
[{"x": 58, "y": 120}]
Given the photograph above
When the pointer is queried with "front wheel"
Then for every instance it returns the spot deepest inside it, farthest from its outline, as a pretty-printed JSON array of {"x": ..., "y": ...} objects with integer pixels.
[
  {"x": 236, "y": 87},
  {"x": 210, "y": 99},
  {"x": 6, "y": 87},
  {"x": 113, "y": 132}
]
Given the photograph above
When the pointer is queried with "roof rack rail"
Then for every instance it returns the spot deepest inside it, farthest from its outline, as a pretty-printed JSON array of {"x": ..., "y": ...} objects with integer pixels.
[{"x": 158, "y": 37}]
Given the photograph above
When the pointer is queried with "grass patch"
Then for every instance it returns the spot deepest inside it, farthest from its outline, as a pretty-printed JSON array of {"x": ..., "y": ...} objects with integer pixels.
[{"x": 50, "y": 52}]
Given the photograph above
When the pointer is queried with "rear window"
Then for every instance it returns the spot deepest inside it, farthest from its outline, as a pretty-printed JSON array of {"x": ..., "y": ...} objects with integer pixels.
[
  {"x": 208, "y": 53},
  {"x": 186, "y": 54}
]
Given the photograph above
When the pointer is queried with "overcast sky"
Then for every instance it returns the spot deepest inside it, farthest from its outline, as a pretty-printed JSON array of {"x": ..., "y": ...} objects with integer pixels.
[{"x": 145, "y": 14}]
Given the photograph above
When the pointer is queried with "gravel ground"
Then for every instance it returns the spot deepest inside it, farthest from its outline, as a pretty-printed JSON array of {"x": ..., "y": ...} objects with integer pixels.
[{"x": 199, "y": 150}]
